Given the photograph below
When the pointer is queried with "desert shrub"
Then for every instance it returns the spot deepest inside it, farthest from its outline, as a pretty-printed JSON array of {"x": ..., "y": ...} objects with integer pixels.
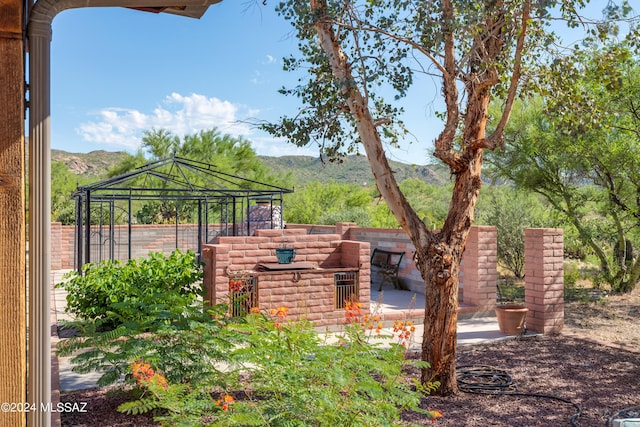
[
  {"x": 292, "y": 376},
  {"x": 184, "y": 345},
  {"x": 112, "y": 293},
  {"x": 511, "y": 212},
  {"x": 359, "y": 215},
  {"x": 202, "y": 367}
]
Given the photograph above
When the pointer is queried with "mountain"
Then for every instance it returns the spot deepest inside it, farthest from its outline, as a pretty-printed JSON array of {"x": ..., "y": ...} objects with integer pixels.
[
  {"x": 94, "y": 164},
  {"x": 353, "y": 169}
]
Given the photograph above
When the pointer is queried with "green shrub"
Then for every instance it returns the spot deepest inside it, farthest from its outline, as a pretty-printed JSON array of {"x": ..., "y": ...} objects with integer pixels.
[
  {"x": 198, "y": 368},
  {"x": 185, "y": 346},
  {"x": 112, "y": 293},
  {"x": 511, "y": 212},
  {"x": 291, "y": 376}
]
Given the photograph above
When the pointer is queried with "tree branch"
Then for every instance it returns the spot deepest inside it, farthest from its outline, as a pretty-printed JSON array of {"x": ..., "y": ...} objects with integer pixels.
[
  {"x": 366, "y": 125},
  {"x": 497, "y": 137},
  {"x": 396, "y": 37},
  {"x": 444, "y": 143}
]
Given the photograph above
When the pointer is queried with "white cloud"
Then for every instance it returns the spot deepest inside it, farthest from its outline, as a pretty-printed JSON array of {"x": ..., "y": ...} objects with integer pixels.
[
  {"x": 122, "y": 128},
  {"x": 182, "y": 115},
  {"x": 276, "y": 147},
  {"x": 257, "y": 78},
  {"x": 270, "y": 59}
]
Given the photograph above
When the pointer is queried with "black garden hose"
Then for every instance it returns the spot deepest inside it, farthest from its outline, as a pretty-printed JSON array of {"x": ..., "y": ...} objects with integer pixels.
[{"x": 489, "y": 380}]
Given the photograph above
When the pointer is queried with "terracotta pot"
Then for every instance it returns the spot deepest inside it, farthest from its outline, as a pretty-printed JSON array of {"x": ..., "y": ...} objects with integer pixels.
[{"x": 511, "y": 318}]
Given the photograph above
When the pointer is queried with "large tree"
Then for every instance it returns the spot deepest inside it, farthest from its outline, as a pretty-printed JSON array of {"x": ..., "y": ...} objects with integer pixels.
[
  {"x": 582, "y": 153},
  {"x": 228, "y": 154},
  {"x": 355, "y": 52}
]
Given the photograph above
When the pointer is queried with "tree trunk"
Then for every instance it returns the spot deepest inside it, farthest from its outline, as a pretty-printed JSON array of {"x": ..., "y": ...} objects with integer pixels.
[
  {"x": 440, "y": 268},
  {"x": 438, "y": 254}
]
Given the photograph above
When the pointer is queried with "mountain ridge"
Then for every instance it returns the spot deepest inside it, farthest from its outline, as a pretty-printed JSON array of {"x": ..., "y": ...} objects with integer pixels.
[{"x": 352, "y": 169}]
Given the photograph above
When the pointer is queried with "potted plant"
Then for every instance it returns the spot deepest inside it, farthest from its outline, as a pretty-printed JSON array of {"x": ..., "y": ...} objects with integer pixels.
[
  {"x": 511, "y": 318},
  {"x": 285, "y": 255}
]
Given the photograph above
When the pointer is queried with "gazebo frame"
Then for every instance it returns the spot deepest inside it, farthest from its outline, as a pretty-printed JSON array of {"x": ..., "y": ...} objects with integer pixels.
[{"x": 101, "y": 206}]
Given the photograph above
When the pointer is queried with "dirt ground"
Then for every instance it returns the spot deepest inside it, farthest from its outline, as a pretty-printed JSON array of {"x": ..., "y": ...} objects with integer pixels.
[
  {"x": 582, "y": 377},
  {"x": 612, "y": 319}
]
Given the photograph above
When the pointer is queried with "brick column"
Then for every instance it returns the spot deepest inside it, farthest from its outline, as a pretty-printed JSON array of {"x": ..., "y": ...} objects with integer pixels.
[
  {"x": 56, "y": 246},
  {"x": 342, "y": 229},
  {"x": 478, "y": 270},
  {"x": 357, "y": 254},
  {"x": 544, "y": 279},
  {"x": 216, "y": 260}
]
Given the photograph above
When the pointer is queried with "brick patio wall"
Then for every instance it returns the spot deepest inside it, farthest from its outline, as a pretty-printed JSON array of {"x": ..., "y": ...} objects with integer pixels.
[
  {"x": 478, "y": 269},
  {"x": 478, "y": 272},
  {"x": 306, "y": 293},
  {"x": 474, "y": 287},
  {"x": 146, "y": 238}
]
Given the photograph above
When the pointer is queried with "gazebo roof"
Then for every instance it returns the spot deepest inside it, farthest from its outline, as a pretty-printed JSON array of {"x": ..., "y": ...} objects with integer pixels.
[{"x": 179, "y": 178}]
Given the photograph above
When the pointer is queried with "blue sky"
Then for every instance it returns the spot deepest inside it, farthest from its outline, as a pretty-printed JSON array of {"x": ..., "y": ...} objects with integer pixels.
[{"x": 117, "y": 72}]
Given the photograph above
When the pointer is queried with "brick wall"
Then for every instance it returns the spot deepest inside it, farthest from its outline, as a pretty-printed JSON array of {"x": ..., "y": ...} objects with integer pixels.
[
  {"x": 479, "y": 273},
  {"x": 543, "y": 260},
  {"x": 307, "y": 293},
  {"x": 146, "y": 238}
]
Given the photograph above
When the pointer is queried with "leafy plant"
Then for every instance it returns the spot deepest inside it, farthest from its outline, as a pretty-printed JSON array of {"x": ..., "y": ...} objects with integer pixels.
[
  {"x": 185, "y": 345},
  {"x": 197, "y": 367},
  {"x": 112, "y": 293},
  {"x": 291, "y": 376},
  {"x": 512, "y": 211}
]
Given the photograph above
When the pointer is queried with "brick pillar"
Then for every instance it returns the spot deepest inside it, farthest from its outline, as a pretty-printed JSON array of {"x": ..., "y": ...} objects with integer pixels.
[
  {"x": 57, "y": 246},
  {"x": 544, "y": 279},
  {"x": 357, "y": 254},
  {"x": 342, "y": 229},
  {"x": 216, "y": 261},
  {"x": 479, "y": 268}
]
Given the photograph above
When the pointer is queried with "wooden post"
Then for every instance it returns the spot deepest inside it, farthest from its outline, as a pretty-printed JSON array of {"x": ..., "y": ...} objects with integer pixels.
[{"x": 12, "y": 220}]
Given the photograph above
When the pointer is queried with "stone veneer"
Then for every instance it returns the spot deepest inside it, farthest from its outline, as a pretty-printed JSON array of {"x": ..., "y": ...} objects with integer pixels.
[{"x": 308, "y": 293}]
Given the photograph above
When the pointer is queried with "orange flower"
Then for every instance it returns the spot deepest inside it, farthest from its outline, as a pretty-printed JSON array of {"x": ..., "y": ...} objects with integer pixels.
[
  {"x": 141, "y": 371},
  {"x": 282, "y": 312},
  {"x": 225, "y": 402},
  {"x": 159, "y": 380},
  {"x": 353, "y": 312},
  {"x": 254, "y": 310},
  {"x": 434, "y": 415}
]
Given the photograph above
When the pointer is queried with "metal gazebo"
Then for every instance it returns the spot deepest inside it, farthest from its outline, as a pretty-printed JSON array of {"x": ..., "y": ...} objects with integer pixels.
[{"x": 201, "y": 201}]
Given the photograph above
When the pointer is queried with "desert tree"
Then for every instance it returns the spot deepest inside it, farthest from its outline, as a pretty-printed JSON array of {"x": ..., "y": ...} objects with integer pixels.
[
  {"x": 581, "y": 153},
  {"x": 358, "y": 60}
]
